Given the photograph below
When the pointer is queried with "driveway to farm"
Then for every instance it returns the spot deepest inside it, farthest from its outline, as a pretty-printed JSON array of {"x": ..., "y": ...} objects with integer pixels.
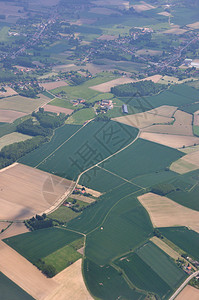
[{"x": 183, "y": 285}]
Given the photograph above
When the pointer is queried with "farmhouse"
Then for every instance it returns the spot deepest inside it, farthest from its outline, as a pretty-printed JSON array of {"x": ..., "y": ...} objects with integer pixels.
[{"x": 125, "y": 109}]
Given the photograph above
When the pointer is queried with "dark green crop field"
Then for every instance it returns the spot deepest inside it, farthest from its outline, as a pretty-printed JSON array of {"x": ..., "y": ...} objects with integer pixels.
[
  {"x": 161, "y": 264},
  {"x": 141, "y": 158},
  {"x": 10, "y": 291},
  {"x": 106, "y": 283},
  {"x": 61, "y": 135},
  {"x": 93, "y": 216},
  {"x": 187, "y": 240},
  {"x": 40, "y": 243},
  {"x": 93, "y": 143},
  {"x": 142, "y": 276},
  {"x": 125, "y": 227}
]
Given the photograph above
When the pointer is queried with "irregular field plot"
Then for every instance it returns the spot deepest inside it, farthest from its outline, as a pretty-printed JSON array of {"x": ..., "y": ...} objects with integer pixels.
[
  {"x": 9, "y": 116},
  {"x": 106, "y": 283},
  {"x": 168, "y": 250},
  {"x": 126, "y": 226},
  {"x": 9, "y": 290},
  {"x": 57, "y": 109},
  {"x": 14, "y": 137},
  {"x": 14, "y": 229},
  {"x": 187, "y": 240},
  {"x": 9, "y": 92},
  {"x": 170, "y": 140},
  {"x": 79, "y": 117},
  {"x": 40, "y": 243},
  {"x": 26, "y": 191},
  {"x": 71, "y": 284},
  {"x": 63, "y": 214},
  {"x": 181, "y": 126},
  {"x": 142, "y": 120},
  {"x": 165, "y": 212},
  {"x": 141, "y": 158},
  {"x": 187, "y": 163},
  {"x": 161, "y": 264},
  {"x": 23, "y": 104},
  {"x": 142, "y": 275},
  {"x": 189, "y": 292},
  {"x": 53, "y": 85}
]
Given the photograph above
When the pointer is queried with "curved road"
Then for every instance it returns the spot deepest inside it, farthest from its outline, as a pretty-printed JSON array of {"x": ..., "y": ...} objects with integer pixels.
[{"x": 183, "y": 285}]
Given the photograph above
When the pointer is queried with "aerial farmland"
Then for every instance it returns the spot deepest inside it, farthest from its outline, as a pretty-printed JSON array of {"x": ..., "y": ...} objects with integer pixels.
[{"x": 99, "y": 150}]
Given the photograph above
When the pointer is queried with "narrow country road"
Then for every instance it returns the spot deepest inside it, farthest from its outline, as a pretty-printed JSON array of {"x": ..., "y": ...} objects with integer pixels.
[{"x": 183, "y": 285}]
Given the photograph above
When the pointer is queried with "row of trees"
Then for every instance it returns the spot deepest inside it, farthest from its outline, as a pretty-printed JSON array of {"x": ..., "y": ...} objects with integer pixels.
[
  {"x": 137, "y": 89},
  {"x": 49, "y": 120},
  {"x": 38, "y": 222}
]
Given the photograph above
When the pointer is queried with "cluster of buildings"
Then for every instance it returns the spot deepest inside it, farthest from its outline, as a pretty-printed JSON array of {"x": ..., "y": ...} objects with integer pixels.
[{"x": 191, "y": 63}]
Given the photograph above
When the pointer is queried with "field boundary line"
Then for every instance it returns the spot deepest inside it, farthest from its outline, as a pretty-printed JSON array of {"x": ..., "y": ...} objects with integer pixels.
[
  {"x": 114, "y": 174},
  {"x": 61, "y": 145}
]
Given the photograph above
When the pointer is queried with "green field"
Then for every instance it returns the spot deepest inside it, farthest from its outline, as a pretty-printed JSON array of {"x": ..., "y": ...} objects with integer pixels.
[
  {"x": 178, "y": 95},
  {"x": 142, "y": 275},
  {"x": 60, "y": 136},
  {"x": 141, "y": 158},
  {"x": 100, "y": 180},
  {"x": 6, "y": 129},
  {"x": 104, "y": 282},
  {"x": 40, "y": 243},
  {"x": 79, "y": 117},
  {"x": 93, "y": 216},
  {"x": 83, "y": 90},
  {"x": 63, "y": 214},
  {"x": 161, "y": 264},
  {"x": 196, "y": 130},
  {"x": 90, "y": 145},
  {"x": 125, "y": 227},
  {"x": 9, "y": 290},
  {"x": 64, "y": 103},
  {"x": 187, "y": 240},
  {"x": 65, "y": 256}
]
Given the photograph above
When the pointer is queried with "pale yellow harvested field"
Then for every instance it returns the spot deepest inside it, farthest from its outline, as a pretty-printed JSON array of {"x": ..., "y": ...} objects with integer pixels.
[
  {"x": 14, "y": 229},
  {"x": 53, "y": 84},
  {"x": 57, "y": 109},
  {"x": 9, "y": 92},
  {"x": 71, "y": 284},
  {"x": 142, "y": 120},
  {"x": 143, "y": 6},
  {"x": 24, "y": 274},
  {"x": 170, "y": 140},
  {"x": 175, "y": 29},
  {"x": 167, "y": 213},
  {"x": 164, "y": 110},
  {"x": 9, "y": 116},
  {"x": 164, "y": 13},
  {"x": 106, "y": 87},
  {"x": 3, "y": 225},
  {"x": 25, "y": 191},
  {"x": 158, "y": 242},
  {"x": 188, "y": 293},
  {"x": 107, "y": 37},
  {"x": 190, "y": 149},
  {"x": 23, "y": 104},
  {"x": 196, "y": 118},
  {"x": 90, "y": 191},
  {"x": 181, "y": 126},
  {"x": 194, "y": 25},
  {"x": 187, "y": 163},
  {"x": 82, "y": 198},
  {"x": 11, "y": 138},
  {"x": 168, "y": 79},
  {"x": 148, "y": 52}
]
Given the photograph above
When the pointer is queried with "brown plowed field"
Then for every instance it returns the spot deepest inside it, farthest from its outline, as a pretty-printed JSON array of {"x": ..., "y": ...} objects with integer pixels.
[
  {"x": 53, "y": 84},
  {"x": 25, "y": 191},
  {"x": 196, "y": 118},
  {"x": 188, "y": 293},
  {"x": 57, "y": 109},
  {"x": 9, "y": 92},
  {"x": 14, "y": 229},
  {"x": 71, "y": 284},
  {"x": 181, "y": 126},
  {"x": 167, "y": 213},
  {"x": 9, "y": 116},
  {"x": 170, "y": 140},
  {"x": 164, "y": 110}
]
